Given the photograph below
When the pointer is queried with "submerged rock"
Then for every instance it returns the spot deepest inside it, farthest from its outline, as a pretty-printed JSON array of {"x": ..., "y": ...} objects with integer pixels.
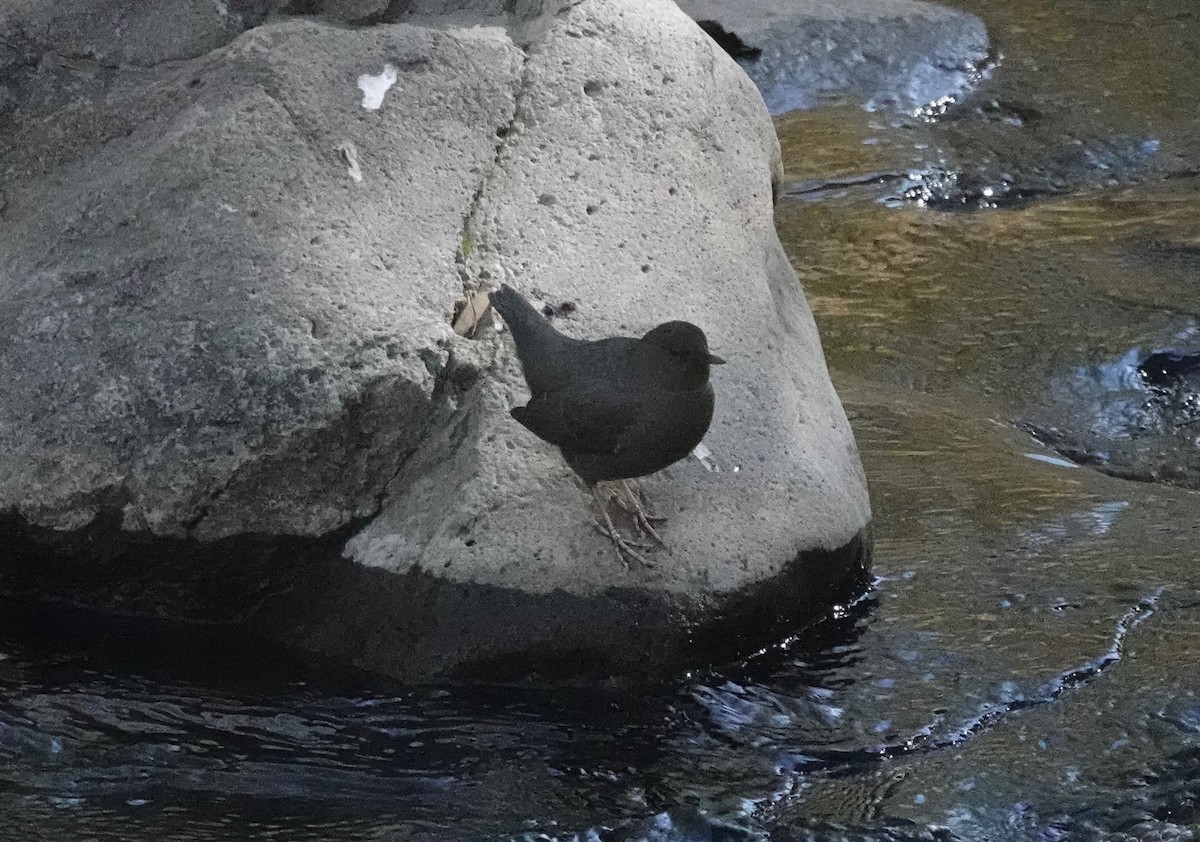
[
  {"x": 1137, "y": 416},
  {"x": 233, "y": 391},
  {"x": 1011, "y": 165},
  {"x": 884, "y": 53}
]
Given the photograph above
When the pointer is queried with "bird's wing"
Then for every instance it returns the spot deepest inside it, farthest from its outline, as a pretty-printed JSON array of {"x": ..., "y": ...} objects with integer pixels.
[{"x": 583, "y": 421}]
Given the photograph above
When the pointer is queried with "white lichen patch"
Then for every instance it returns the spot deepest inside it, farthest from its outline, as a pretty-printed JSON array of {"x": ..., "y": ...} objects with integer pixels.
[{"x": 374, "y": 87}]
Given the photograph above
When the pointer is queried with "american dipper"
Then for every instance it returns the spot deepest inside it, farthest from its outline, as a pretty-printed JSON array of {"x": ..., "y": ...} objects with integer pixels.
[{"x": 618, "y": 408}]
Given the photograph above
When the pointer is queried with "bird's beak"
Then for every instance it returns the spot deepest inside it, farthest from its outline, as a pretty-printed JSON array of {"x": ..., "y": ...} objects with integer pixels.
[{"x": 713, "y": 359}]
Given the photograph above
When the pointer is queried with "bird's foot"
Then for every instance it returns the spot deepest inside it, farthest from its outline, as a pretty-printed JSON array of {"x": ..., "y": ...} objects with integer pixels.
[
  {"x": 640, "y": 515},
  {"x": 624, "y": 547}
]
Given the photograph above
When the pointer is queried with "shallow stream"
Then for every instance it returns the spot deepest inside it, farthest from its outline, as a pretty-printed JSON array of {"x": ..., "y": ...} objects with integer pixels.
[{"x": 990, "y": 282}]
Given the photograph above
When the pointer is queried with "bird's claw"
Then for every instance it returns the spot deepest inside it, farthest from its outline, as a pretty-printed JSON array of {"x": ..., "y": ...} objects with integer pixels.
[
  {"x": 645, "y": 530},
  {"x": 623, "y": 546},
  {"x": 640, "y": 516}
]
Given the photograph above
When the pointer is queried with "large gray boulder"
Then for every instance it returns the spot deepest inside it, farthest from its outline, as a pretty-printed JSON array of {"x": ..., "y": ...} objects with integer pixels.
[{"x": 227, "y": 285}]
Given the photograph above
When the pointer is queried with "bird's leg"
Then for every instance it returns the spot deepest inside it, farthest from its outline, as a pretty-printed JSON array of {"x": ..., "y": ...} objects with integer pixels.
[
  {"x": 643, "y": 519},
  {"x": 637, "y": 501},
  {"x": 624, "y": 548}
]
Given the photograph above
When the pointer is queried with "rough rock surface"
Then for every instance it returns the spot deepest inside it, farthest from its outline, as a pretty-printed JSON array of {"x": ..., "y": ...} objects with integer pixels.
[
  {"x": 125, "y": 34},
  {"x": 226, "y": 290},
  {"x": 211, "y": 325},
  {"x": 884, "y": 53}
]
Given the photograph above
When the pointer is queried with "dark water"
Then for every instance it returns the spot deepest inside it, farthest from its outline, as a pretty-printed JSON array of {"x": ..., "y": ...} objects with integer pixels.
[{"x": 1028, "y": 664}]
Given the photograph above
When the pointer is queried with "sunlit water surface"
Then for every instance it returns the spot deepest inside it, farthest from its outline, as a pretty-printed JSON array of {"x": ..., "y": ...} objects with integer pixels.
[{"x": 1026, "y": 667}]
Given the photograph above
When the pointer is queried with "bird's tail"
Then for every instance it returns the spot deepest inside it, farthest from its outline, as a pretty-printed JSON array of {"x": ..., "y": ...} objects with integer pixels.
[
  {"x": 539, "y": 345},
  {"x": 525, "y": 322}
]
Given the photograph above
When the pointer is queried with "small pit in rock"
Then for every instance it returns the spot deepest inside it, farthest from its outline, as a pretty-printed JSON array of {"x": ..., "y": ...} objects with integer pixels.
[{"x": 552, "y": 311}]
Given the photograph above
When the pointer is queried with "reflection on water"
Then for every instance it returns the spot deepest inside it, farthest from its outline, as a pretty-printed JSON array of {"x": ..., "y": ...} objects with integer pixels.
[
  {"x": 943, "y": 331},
  {"x": 1025, "y": 666}
]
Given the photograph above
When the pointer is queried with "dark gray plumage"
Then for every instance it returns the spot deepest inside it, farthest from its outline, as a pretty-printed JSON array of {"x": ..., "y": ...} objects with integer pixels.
[{"x": 617, "y": 408}]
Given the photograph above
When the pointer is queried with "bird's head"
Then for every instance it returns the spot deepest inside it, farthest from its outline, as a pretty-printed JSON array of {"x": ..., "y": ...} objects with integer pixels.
[{"x": 679, "y": 352}]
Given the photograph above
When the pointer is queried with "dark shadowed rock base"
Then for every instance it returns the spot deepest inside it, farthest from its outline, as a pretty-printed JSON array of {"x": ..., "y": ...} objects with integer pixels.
[{"x": 302, "y": 592}]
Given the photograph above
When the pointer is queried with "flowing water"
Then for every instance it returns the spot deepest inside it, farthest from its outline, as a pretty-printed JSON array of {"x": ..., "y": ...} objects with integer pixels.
[{"x": 990, "y": 283}]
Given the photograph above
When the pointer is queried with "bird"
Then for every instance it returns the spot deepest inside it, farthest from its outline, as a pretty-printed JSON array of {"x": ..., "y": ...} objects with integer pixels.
[{"x": 617, "y": 408}]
